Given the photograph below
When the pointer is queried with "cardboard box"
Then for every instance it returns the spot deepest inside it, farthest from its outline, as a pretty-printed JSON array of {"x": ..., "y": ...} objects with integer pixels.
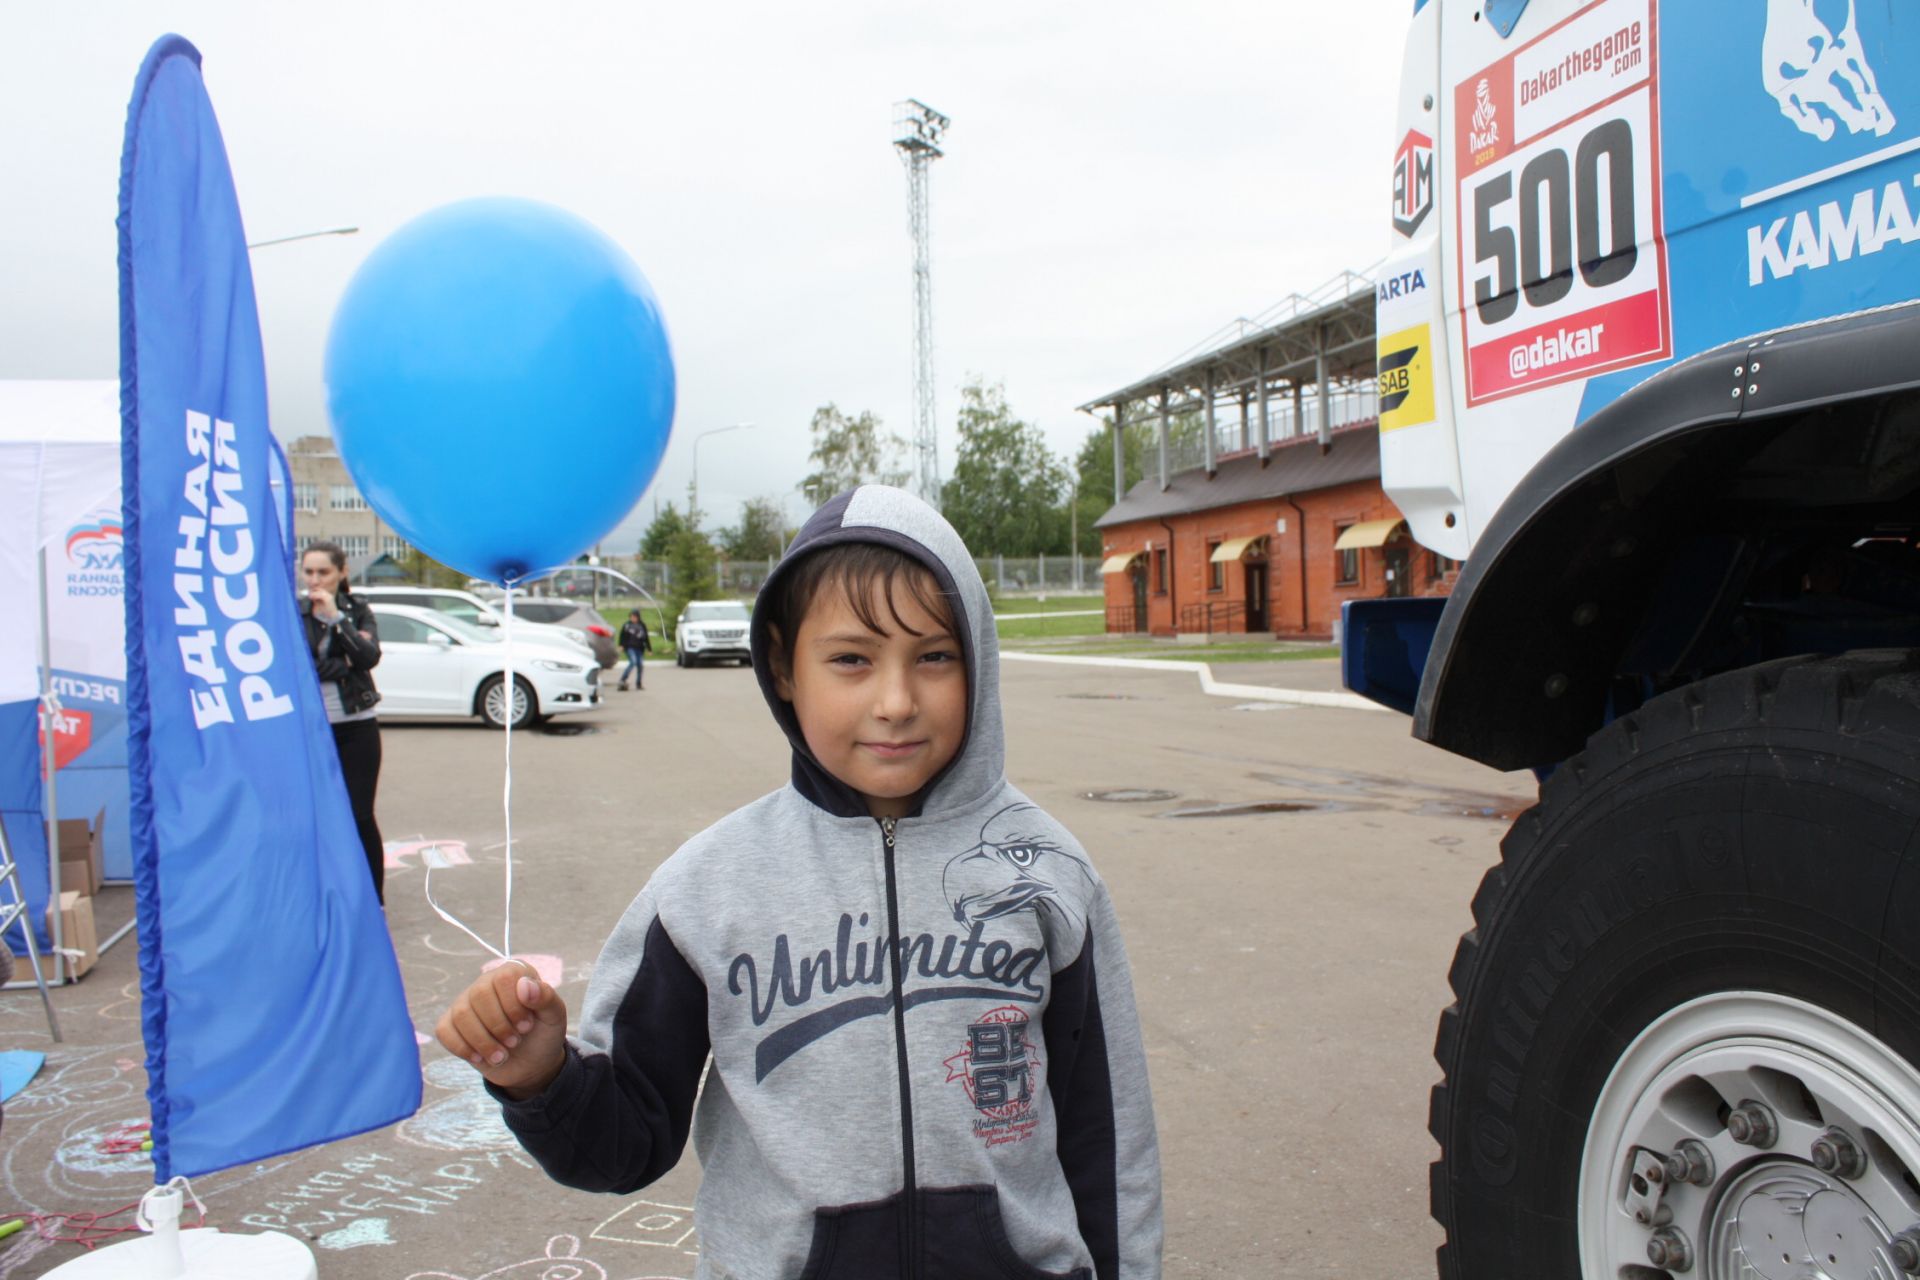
[
  {"x": 81, "y": 865},
  {"x": 76, "y": 932}
]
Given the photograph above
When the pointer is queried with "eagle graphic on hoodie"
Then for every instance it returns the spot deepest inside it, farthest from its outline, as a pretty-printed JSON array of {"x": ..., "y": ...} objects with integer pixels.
[{"x": 926, "y": 1061}]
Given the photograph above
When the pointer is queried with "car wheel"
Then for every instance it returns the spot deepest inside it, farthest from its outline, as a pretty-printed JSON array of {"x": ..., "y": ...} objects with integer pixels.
[
  {"x": 679, "y": 657},
  {"x": 1688, "y": 1018},
  {"x": 491, "y": 704}
]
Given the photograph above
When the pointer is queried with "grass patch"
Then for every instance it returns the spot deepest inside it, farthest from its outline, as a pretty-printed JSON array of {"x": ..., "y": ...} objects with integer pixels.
[{"x": 1052, "y": 604}]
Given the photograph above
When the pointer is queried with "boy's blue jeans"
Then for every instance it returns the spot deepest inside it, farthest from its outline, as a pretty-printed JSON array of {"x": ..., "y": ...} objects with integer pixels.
[{"x": 635, "y": 667}]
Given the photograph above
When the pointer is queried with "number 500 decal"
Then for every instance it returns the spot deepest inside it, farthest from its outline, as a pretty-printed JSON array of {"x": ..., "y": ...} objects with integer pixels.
[
  {"x": 1588, "y": 201},
  {"x": 1562, "y": 266}
]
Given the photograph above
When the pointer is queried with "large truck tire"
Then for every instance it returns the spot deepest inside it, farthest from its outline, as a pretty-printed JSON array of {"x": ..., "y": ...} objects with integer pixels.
[{"x": 1687, "y": 1020}]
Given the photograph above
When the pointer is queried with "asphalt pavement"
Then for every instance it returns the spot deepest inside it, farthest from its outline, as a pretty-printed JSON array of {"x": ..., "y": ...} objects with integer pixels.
[{"x": 1291, "y": 882}]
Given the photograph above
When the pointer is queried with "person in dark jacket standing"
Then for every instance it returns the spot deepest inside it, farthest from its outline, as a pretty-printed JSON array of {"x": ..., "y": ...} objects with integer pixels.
[
  {"x": 635, "y": 640},
  {"x": 345, "y": 643}
]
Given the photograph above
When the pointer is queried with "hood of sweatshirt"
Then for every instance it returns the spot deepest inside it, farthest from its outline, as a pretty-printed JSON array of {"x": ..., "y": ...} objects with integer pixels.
[{"x": 892, "y": 517}]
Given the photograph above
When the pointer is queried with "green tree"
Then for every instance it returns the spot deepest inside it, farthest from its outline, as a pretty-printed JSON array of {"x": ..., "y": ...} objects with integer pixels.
[
  {"x": 1140, "y": 456},
  {"x": 1008, "y": 490},
  {"x": 1093, "y": 473},
  {"x": 850, "y": 451},
  {"x": 656, "y": 541},
  {"x": 690, "y": 565},
  {"x": 760, "y": 533},
  {"x": 428, "y": 572}
]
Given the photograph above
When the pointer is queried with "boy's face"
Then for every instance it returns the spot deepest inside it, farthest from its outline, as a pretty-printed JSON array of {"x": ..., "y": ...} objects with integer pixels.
[{"x": 882, "y": 713}]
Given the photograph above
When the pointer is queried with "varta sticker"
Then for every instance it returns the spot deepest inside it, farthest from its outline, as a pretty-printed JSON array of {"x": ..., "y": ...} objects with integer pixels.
[
  {"x": 1404, "y": 285},
  {"x": 1405, "y": 378},
  {"x": 1561, "y": 255}
]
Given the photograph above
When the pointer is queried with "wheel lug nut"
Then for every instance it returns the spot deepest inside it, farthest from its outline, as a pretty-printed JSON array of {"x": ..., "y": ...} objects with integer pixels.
[
  {"x": 1905, "y": 1250},
  {"x": 1668, "y": 1249},
  {"x": 1836, "y": 1152},
  {"x": 1751, "y": 1125},
  {"x": 1690, "y": 1162}
]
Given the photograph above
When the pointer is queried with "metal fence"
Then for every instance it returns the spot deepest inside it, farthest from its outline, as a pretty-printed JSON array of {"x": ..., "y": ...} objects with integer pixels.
[
  {"x": 1006, "y": 575},
  {"x": 1039, "y": 575}
]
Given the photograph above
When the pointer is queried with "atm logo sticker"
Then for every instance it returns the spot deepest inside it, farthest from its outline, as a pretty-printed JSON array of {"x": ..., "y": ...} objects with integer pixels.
[{"x": 1405, "y": 378}]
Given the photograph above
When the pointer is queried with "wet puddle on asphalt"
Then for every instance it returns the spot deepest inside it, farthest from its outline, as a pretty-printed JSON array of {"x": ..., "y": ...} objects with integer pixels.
[{"x": 1316, "y": 790}]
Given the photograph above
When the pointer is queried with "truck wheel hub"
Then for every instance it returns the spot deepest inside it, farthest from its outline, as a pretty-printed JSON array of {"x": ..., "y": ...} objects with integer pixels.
[{"x": 1765, "y": 1212}]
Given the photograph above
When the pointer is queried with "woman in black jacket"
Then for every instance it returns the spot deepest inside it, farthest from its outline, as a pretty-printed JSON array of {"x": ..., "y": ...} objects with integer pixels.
[{"x": 345, "y": 645}]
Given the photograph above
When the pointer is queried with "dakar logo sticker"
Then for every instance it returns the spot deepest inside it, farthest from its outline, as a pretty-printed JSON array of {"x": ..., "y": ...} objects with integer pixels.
[
  {"x": 1015, "y": 867},
  {"x": 999, "y": 1070},
  {"x": 1485, "y": 133},
  {"x": 1412, "y": 182}
]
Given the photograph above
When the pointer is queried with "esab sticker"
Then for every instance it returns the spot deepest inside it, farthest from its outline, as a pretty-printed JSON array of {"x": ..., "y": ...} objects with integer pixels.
[
  {"x": 1563, "y": 267},
  {"x": 1405, "y": 378}
]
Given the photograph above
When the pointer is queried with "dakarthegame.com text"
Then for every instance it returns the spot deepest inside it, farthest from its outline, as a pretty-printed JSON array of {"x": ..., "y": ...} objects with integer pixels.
[{"x": 1614, "y": 54}]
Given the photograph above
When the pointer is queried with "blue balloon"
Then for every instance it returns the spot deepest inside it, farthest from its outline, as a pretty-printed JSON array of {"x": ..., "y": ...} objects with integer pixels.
[{"x": 500, "y": 385}]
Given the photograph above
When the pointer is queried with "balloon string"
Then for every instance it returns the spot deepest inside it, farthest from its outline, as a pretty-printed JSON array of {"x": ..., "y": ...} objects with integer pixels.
[
  {"x": 507, "y": 689},
  {"x": 505, "y": 950},
  {"x": 506, "y": 794}
]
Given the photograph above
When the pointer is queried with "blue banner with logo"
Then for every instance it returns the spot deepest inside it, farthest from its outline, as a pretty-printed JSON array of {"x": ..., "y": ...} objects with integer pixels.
[{"x": 270, "y": 997}]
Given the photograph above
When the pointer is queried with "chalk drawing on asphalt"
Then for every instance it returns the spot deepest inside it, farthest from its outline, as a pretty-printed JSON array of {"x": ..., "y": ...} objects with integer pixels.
[
  {"x": 665, "y": 1226},
  {"x": 561, "y": 1261}
]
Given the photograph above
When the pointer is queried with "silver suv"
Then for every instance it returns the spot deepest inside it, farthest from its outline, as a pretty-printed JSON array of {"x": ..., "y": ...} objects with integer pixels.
[{"x": 711, "y": 631}]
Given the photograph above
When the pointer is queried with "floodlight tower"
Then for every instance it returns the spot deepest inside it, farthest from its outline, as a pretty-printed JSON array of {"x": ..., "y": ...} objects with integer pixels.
[{"x": 917, "y": 130}]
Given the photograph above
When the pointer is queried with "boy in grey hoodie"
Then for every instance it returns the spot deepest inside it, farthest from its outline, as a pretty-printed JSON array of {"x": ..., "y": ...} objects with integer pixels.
[{"x": 925, "y": 1057}]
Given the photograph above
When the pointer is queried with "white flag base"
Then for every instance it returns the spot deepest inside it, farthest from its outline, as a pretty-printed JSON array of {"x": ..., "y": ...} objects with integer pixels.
[{"x": 201, "y": 1254}]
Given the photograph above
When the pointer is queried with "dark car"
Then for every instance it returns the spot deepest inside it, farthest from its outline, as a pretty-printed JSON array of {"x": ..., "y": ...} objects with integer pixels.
[{"x": 575, "y": 617}]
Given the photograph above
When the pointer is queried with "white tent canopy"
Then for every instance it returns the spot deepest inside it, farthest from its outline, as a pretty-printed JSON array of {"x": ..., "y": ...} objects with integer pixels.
[{"x": 59, "y": 459}]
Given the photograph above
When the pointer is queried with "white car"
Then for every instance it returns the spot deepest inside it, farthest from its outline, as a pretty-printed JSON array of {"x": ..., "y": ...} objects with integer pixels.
[
  {"x": 432, "y": 664},
  {"x": 471, "y": 609},
  {"x": 711, "y": 631}
]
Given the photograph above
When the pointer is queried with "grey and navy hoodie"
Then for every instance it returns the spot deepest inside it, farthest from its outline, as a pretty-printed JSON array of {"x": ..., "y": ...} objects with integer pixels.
[{"x": 926, "y": 1060}]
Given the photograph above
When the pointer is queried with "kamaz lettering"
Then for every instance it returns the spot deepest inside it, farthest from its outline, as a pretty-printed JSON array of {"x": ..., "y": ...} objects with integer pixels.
[{"x": 1816, "y": 238}]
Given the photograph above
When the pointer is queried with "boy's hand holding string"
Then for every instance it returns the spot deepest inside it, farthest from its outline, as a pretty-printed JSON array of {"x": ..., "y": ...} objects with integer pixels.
[{"x": 512, "y": 1026}]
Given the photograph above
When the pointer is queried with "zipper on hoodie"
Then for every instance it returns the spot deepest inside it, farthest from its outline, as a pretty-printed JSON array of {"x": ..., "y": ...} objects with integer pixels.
[{"x": 909, "y": 1210}]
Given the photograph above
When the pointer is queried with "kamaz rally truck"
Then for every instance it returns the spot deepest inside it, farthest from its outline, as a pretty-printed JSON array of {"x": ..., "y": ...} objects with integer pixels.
[{"x": 1649, "y": 363}]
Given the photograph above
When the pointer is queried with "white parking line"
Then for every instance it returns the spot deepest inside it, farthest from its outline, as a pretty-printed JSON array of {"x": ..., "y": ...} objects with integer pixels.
[{"x": 1209, "y": 685}]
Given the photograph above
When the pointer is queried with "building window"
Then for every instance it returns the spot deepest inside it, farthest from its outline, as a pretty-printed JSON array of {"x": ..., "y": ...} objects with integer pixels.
[
  {"x": 354, "y": 544},
  {"x": 1346, "y": 564},
  {"x": 301, "y": 543},
  {"x": 347, "y": 498},
  {"x": 1442, "y": 566},
  {"x": 1159, "y": 571},
  {"x": 393, "y": 546},
  {"x": 306, "y": 497},
  {"x": 1216, "y": 572}
]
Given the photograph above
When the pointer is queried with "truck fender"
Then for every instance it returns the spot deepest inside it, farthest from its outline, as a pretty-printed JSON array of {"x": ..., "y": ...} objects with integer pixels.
[{"x": 1561, "y": 582}]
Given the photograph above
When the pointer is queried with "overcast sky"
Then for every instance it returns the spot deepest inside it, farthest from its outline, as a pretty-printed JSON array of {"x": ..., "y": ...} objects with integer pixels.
[{"x": 1121, "y": 180}]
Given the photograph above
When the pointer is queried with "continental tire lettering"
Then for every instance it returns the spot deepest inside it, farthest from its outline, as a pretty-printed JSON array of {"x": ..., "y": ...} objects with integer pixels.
[{"x": 1522, "y": 1003}]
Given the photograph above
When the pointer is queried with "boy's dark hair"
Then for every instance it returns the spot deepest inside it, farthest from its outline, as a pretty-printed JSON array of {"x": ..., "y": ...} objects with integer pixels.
[{"x": 866, "y": 574}]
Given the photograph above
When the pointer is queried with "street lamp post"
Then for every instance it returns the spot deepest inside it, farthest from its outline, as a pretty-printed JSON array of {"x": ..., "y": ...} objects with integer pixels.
[{"x": 693, "y": 482}]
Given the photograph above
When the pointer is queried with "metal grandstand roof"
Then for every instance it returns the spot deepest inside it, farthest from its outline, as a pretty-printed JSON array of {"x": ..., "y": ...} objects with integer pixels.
[
  {"x": 1281, "y": 347},
  {"x": 1296, "y": 466}
]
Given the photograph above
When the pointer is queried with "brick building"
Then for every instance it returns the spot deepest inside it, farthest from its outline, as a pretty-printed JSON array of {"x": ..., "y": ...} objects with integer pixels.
[
  {"x": 1273, "y": 549},
  {"x": 1267, "y": 525}
]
